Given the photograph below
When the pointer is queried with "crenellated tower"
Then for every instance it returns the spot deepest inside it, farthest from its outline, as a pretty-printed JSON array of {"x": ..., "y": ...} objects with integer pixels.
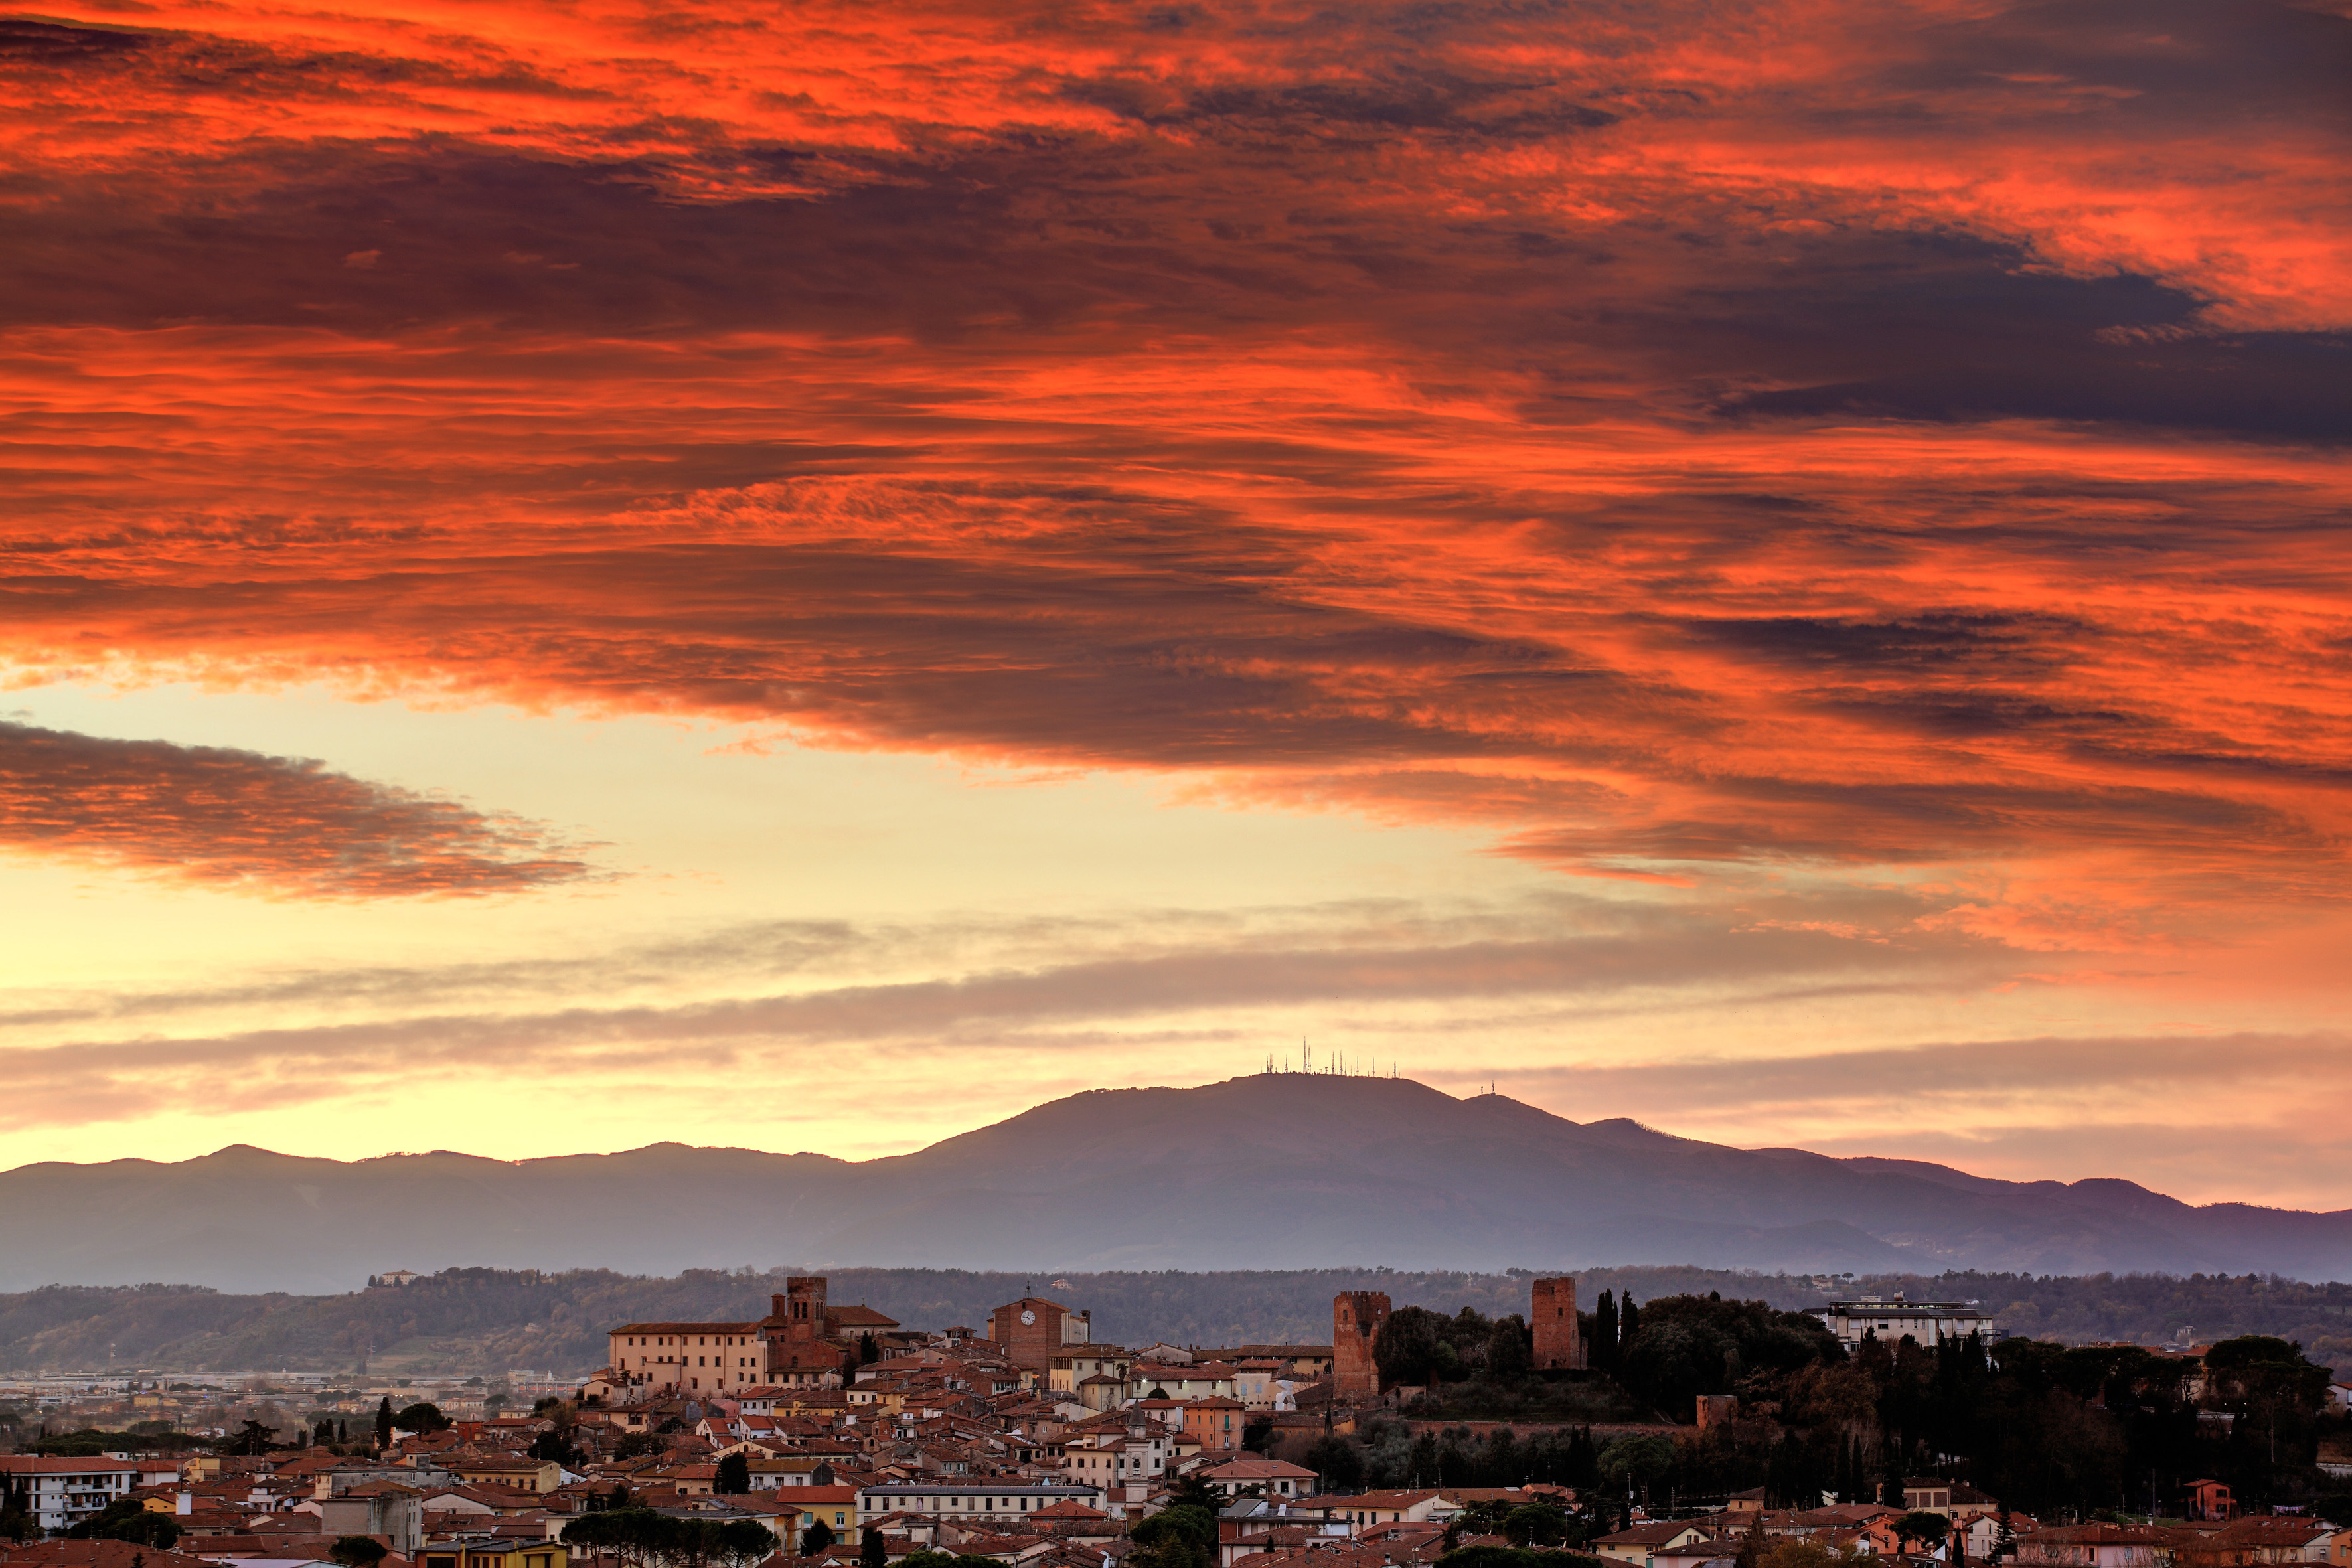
[{"x": 1356, "y": 1320}]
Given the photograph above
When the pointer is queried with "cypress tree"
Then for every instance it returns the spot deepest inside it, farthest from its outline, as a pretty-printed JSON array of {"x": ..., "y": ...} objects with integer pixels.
[
  {"x": 1583, "y": 1460},
  {"x": 383, "y": 1423},
  {"x": 1603, "y": 1352},
  {"x": 1754, "y": 1548},
  {"x": 1629, "y": 1323}
]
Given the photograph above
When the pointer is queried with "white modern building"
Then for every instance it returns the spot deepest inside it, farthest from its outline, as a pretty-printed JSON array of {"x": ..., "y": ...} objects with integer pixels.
[
  {"x": 1892, "y": 1317},
  {"x": 61, "y": 1492}
]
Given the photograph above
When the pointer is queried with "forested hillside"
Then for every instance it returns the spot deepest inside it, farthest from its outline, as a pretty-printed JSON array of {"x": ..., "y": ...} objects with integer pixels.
[
  {"x": 2060, "y": 1432},
  {"x": 480, "y": 1320}
]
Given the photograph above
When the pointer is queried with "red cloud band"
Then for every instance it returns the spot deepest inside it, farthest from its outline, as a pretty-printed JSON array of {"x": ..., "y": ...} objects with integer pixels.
[{"x": 1835, "y": 436}]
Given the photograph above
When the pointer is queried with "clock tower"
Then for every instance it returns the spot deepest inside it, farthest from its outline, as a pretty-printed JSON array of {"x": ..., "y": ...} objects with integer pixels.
[{"x": 1028, "y": 1332}]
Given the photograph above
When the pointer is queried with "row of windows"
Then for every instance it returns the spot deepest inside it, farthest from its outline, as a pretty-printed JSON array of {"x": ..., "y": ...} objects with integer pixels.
[
  {"x": 641, "y": 1340},
  {"x": 948, "y": 1502},
  {"x": 60, "y": 1483}
]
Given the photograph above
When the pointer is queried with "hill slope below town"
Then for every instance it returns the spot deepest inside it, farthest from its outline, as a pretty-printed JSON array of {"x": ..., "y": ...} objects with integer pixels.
[{"x": 1274, "y": 1172}]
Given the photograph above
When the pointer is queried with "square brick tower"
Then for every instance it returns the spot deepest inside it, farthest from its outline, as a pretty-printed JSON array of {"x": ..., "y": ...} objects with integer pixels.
[
  {"x": 1553, "y": 1318},
  {"x": 1356, "y": 1320},
  {"x": 803, "y": 1311}
]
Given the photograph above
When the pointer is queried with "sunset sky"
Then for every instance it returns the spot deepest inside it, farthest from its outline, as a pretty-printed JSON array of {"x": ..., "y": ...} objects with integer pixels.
[{"x": 811, "y": 576}]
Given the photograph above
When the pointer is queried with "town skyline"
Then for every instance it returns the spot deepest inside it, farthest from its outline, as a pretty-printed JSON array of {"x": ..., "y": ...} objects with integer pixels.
[{"x": 1667, "y": 1425}]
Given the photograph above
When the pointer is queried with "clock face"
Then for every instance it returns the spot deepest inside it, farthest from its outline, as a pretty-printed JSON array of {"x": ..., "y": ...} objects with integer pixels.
[{"x": 1027, "y": 1316}]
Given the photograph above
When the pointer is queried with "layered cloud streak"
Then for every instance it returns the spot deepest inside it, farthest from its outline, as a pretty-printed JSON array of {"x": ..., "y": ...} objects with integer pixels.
[{"x": 276, "y": 825}]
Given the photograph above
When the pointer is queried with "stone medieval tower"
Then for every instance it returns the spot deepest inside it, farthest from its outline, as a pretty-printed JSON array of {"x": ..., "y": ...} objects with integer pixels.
[
  {"x": 1553, "y": 1319},
  {"x": 1356, "y": 1320},
  {"x": 795, "y": 1330}
]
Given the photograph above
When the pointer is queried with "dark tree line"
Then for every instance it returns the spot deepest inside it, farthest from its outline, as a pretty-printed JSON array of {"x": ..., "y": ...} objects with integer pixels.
[
  {"x": 645, "y": 1538},
  {"x": 2050, "y": 1430}
]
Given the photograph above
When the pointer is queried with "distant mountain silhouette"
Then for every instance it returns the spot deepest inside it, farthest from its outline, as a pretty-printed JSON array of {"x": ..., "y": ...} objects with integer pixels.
[{"x": 1276, "y": 1172}]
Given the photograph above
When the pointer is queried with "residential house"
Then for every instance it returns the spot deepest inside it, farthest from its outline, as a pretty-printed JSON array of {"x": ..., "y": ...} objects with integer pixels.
[
  {"x": 1641, "y": 1544},
  {"x": 2210, "y": 1499},
  {"x": 2096, "y": 1546},
  {"x": 1263, "y": 1477},
  {"x": 489, "y": 1550},
  {"x": 2246, "y": 1542},
  {"x": 1199, "y": 1380},
  {"x": 1072, "y": 1365},
  {"x": 513, "y": 1472},
  {"x": 381, "y": 1508},
  {"x": 1369, "y": 1508}
]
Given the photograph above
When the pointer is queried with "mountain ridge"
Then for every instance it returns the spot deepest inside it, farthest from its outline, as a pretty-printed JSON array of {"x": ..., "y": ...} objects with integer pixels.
[{"x": 1269, "y": 1171}]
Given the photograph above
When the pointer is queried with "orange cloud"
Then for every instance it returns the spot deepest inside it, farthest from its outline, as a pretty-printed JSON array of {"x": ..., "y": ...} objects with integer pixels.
[{"x": 1839, "y": 439}]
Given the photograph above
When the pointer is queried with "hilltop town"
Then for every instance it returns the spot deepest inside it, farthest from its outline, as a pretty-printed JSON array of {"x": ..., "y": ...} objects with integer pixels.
[{"x": 824, "y": 1433}]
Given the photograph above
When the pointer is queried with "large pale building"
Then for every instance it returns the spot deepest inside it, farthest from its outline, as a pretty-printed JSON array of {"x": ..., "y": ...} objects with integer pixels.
[
  {"x": 1890, "y": 1318},
  {"x": 801, "y": 1340},
  {"x": 62, "y": 1493}
]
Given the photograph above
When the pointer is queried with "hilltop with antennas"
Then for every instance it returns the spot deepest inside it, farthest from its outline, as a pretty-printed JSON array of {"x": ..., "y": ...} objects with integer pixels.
[{"x": 1284, "y": 1170}]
